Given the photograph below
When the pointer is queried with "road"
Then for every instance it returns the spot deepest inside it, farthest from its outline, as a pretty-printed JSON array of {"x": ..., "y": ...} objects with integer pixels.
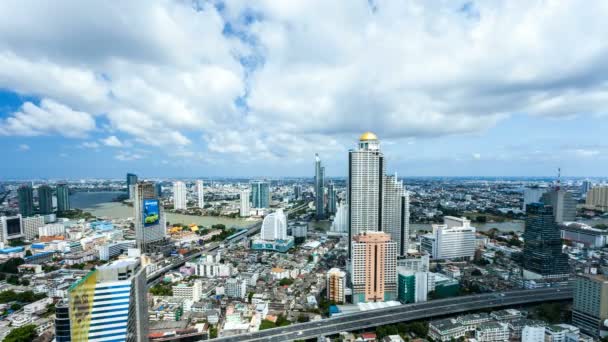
[{"x": 402, "y": 313}]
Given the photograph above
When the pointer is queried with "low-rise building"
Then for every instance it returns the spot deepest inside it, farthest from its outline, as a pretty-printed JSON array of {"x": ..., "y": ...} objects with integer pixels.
[
  {"x": 446, "y": 330},
  {"x": 492, "y": 331}
]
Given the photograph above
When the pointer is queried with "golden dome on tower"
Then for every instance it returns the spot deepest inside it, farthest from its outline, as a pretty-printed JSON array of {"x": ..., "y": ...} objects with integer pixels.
[{"x": 368, "y": 136}]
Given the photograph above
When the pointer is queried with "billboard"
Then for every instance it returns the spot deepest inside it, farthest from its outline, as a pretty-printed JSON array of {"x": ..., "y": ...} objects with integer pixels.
[
  {"x": 151, "y": 214},
  {"x": 81, "y": 296}
]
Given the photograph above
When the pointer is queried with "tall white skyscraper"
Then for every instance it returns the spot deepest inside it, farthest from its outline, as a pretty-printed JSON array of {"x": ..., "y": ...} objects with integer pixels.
[
  {"x": 200, "y": 194},
  {"x": 340, "y": 223},
  {"x": 245, "y": 205},
  {"x": 394, "y": 221},
  {"x": 179, "y": 195},
  {"x": 274, "y": 226}
]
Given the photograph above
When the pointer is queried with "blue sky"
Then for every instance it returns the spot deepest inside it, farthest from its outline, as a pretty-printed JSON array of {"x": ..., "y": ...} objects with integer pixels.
[{"x": 256, "y": 88}]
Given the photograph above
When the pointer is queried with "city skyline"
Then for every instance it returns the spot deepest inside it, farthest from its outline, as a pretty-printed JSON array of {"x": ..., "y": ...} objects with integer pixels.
[{"x": 471, "y": 93}]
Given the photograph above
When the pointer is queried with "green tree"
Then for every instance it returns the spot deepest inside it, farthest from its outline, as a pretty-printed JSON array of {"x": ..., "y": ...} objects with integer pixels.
[
  {"x": 303, "y": 318},
  {"x": 286, "y": 281},
  {"x": 16, "y": 306},
  {"x": 28, "y": 253},
  {"x": 25, "y": 333},
  {"x": 25, "y": 282},
  {"x": 249, "y": 297},
  {"x": 266, "y": 324}
]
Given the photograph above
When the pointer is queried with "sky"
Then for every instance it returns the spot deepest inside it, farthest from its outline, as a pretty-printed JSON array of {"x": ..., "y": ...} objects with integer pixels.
[{"x": 248, "y": 88}]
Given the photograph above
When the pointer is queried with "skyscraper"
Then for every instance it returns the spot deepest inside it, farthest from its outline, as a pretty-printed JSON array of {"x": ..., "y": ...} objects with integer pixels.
[
  {"x": 336, "y": 285},
  {"x": 150, "y": 221},
  {"x": 159, "y": 189},
  {"x": 26, "y": 200},
  {"x": 45, "y": 200},
  {"x": 110, "y": 303},
  {"x": 597, "y": 198},
  {"x": 542, "y": 253},
  {"x": 63, "y": 197},
  {"x": 374, "y": 267},
  {"x": 179, "y": 196},
  {"x": 393, "y": 213},
  {"x": 331, "y": 199},
  {"x": 563, "y": 203},
  {"x": 131, "y": 182},
  {"x": 260, "y": 194},
  {"x": 274, "y": 226},
  {"x": 200, "y": 195},
  {"x": 590, "y": 306},
  {"x": 532, "y": 195},
  {"x": 585, "y": 187},
  {"x": 297, "y": 191},
  {"x": 319, "y": 189},
  {"x": 245, "y": 207},
  {"x": 455, "y": 239},
  {"x": 365, "y": 178}
]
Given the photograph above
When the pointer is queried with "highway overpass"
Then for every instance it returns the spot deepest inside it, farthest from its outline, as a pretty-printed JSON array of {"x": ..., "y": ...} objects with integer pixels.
[{"x": 403, "y": 313}]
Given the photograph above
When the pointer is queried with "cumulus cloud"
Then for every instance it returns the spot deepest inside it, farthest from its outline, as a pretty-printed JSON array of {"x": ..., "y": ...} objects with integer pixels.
[
  {"x": 112, "y": 141},
  {"x": 128, "y": 156},
  {"x": 48, "y": 118}
]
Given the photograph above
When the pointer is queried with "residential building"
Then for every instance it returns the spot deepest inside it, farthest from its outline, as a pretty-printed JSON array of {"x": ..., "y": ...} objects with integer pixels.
[
  {"x": 31, "y": 225},
  {"x": 563, "y": 204},
  {"x": 393, "y": 213},
  {"x": 533, "y": 333},
  {"x": 332, "y": 199},
  {"x": 297, "y": 191},
  {"x": 112, "y": 249},
  {"x": 597, "y": 198},
  {"x": 245, "y": 207},
  {"x": 11, "y": 228},
  {"x": 455, "y": 239},
  {"x": 590, "y": 305},
  {"x": 62, "y": 322},
  {"x": 25, "y": 193},
  {"x": 236, "y": 288},
  {"x": 542, "y": 254},
  {"x": 561, "y": 333},
  {"x": 63, "y": 197},
  {"x": 584, "y": 234},
  {"x": 51, "y": 230},
  {"x": 418, "y": 263},
  {"x": 412, "y": 287},
  {"x": 150, "y": 221},
  {"x": 179, "y": 196},
  {"x": 336, "y": 285},
  {"x": 260, "y": 194},
  {"x": 373, "y": 270},
  {"x": 274, "y": 226},
  {"x": 492, "y": 331},
  {"x": 200, "y": 194},
  {"x": 131, "y": 182},
  {"x": 45, "y": 200},
  {"x": 340, "y": 222},
  {"x": 446, "y": 330},
  {"x": 193, "y": 291},
  {"x": 319, "y": 189}
]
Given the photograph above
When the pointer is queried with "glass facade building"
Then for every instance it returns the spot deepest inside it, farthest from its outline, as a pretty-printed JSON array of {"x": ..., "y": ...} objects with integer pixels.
[
  {"x": 260, "y": 194},
  {"x": 26, "y": 200},
  {"x": 63, "y": 197},
  {"x": 45, "y": 200},
  {"x": 319, "y": 189}
]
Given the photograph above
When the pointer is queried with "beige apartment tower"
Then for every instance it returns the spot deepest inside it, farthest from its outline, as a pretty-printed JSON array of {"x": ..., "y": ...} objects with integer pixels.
[
  {"x": 336, "y": 283},
  {"x": 373, "y": 267}
]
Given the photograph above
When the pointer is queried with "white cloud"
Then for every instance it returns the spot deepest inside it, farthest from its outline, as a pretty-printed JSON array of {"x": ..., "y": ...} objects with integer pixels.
[
  {"x": 128, "y": 156},
  {"x": 24, "y": 147},
  {"x": 476, "y": 156},
  {"x": 112, "y": 141},
  {"x": 90, "y": 144},
  {"x": 50, "y": 118},
  {"x": 585, "y": 153}
]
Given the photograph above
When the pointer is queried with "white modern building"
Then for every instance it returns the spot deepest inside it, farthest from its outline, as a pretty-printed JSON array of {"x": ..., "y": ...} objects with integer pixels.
[
  {"x": 179, "y": 196},
  {"x": 274, "y": 226},
  {"x": 31, "y": 225},
  {"x": 533, "y": 333},
  {"x": 236, "y": 288},
  {"x": 492, "y": 332},
  {"x": 191, "y": 292},
  {"x": 455, "y": 239},
  {"x": 51, "y": 230},
  {"x": 200, "y": 194},
  {"x": 340, "y": 223},
  {"x": 11, "y": 227},
  {"x": 112, "y": 249},
  {"x": 245, "y": 204},
  {"x": 395, "y": 212}
]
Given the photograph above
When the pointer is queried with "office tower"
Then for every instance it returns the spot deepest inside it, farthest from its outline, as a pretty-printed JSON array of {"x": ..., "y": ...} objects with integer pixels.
[
  {"x": 394, "y": 212},
  {"x": 150, "y": 221},
  {"x": 274, "y": 226},
  {"x": 110, "y": 304},
  {"x": 373, "y": 267},
  {"x": 245, "y": 207},
  {"x": 63, "y": 197},
  {"x": 340, "y": 223},
  {"x": 131, "y": 182},
  {"x": 597, "y": 198},
  {"x": 563, "y": 203},
  {"x": 159, "y": 189},
  {"x": 542, "y": 242},
  {"x": 454, "y": 239},
  {"x": 532, "y": 195},
  {"x": 412, "y": 287},
  {"x": 590, "y": 306},
  {"x": 200, "y": 195},
  {"x": 297, "y": 192},
  {"x": 45, "y": 200},
  {"x": 336, "y": 283},
  {"x": 62, "y": 322},
  {"x": 26, "y": 200},
  {"x": 331, "y": 199},
  {"x": 179, "y": 196},
  {"x": 585, "y": 187},
  {"x": 11, "y": 228},
  {"x": 319, "y": 189},
  {"x": 365, "y": 177},
  {"x": 260, "y": 194}
]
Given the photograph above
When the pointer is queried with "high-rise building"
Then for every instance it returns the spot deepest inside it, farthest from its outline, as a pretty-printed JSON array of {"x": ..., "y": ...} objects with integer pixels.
[
  {"x": 11, "y": 227},
  {"x": 131, "y": 182},
  {"x": 297, "y": 192},
  {"x": 159, "y": 189},
  {"x": 245, "y": 207},
  {"x": 179, "y": 196},
  {"x": 373, "y": 267},
  {"x": 412, "y": 287},
  {"x": 274, "y": 226},
  {"x": 542, "y": 253},
  {"x": 26, "y": 200},
  {"x": 150, "y": 221},
  {"x": 45, "y": 199},
  {"x": 260, "y": 194},
  {"x": 62, "y": 322},
  {"x": 563, "y": 203},
  {"x": 319, "y": 189},
  {"x": 586, "y": 185},
  {"x": 110, "y": 304},
  {"x": 454, "y": 239},
  {"x": 405, "y": 223},
  {"x": 365, "y": 178},
  {"x": 63, "y": 197},
  {"x": 532, "y": 195},
  {"x": 590, "y": 306},
  {"x": 340, "y": 223},
  {"x": 332, "y": 199},
  {"x": 597, "y": 198},
  {"x": 200, "y": 194},
  {"x": 336, "y": 285},
  {"x": 394, "y": 210}
]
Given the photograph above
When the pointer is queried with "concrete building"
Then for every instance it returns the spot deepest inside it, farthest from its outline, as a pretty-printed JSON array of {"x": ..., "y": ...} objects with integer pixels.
[
  {"x": 563, "y": 204},
  {"x": 584, "y": 234},
  {"x": 193, "y": 291},
  {"x": 112, "y": 249},
  {"x": 332, "y": 199},
  {"x": 31, "y": 225},
  {"x": 200, "y": 194},
  {"x": 180, "y": 201},
  {"x": 373, "y": 267},
  {"x": 336, "y": 285},
  {"x": 236, "y": 288},
  {"x": 419, "y": 263},
  {"x": 319, "y": 189},
  {"x": 446, "y": 330},
  {"x": 412, "y": 287},
  {"x": 394, "y": 220},
  {"x": 45, "y": 199},
  {"x": 260, "y": 194},
  {"x": 532, "y": 195},
  {"x": 533, "y": 333},
  {"x": 11, "y": 227},
  {"x": 150, "y": 221},
  {"x": 340, "y": 223},
  {"x": 492, "y": 331},
  {"x": 63, "y": 197},
  {"x": 245, "y": 206},
  {"x": 131, "y": 182},
  {"x": 455, "y": 239},
  {"x": 590, "y": 306},
  {"x": 597, "y": 198},
  {"x": 274, "y": 226}
]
